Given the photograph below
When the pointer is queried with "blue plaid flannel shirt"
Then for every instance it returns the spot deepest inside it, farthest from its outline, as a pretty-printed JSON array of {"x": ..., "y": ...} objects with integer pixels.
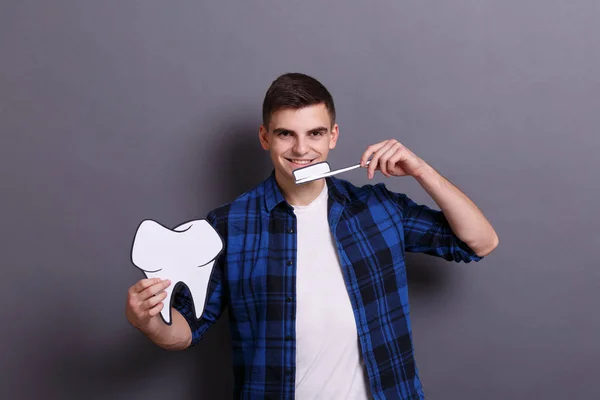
[{"x": 255, "y": 278}]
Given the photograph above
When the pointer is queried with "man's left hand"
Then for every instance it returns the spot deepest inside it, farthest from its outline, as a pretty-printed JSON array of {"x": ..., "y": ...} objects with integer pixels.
[{"x": 392, "y": 159}]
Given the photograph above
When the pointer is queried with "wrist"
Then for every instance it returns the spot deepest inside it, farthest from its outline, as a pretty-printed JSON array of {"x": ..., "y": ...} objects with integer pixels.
[
  {"x": 429, "y": 178},
  {"x": 424, "y": 172},
  {"x": 153, "y": 328}
]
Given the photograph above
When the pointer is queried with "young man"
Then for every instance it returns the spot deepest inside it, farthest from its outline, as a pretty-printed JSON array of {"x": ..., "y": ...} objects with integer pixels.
[{"x": 314, "y": 275}]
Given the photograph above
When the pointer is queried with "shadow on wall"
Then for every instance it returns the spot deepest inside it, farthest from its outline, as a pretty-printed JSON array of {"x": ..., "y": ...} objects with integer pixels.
[
  {"x": 237, "y": 158},
  {"x": 430, "y": 279}
]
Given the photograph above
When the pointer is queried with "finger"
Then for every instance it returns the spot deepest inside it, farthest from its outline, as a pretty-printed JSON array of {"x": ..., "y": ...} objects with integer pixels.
[
  {"x": 390, "y": 158},
  {"x": 152, "y": 290},
  {"x": 375, "y": 159},
  {"x": 142, "y": 284},
  {"x": 155, "y": 310},
  {"x": 373, "y": 148},
  {"x": 154, "y": 300},
  {"x": 370, "y": 150},
  {"x": 385, "y": 156}
]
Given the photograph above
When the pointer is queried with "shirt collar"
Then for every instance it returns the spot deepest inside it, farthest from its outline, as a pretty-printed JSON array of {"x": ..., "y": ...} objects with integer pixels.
[{"x": 274, "y": 196}]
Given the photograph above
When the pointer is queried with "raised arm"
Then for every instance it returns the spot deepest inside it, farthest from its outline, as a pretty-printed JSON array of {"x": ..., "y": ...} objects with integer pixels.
[{"x": 465, "y": 219}]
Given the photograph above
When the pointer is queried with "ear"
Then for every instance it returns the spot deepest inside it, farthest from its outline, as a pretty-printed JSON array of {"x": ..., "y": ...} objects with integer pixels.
[
  {"x": 335, "y": 133},
  {"x": 263, "y": 136}
]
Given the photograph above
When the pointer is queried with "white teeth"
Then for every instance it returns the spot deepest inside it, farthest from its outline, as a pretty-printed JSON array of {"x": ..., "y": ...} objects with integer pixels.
[
  {"x": 301, "y": 161},
  {"x": 185, "y": 254}
]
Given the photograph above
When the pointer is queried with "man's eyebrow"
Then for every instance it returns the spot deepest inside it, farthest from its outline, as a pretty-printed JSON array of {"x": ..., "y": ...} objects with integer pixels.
[
  {"x": 279, "y": 130},
  {"x": 319, "y": 129}
]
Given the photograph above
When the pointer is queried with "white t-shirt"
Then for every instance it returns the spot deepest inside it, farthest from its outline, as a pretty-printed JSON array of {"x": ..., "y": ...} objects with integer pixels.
[{"x": 328, "y": 358}]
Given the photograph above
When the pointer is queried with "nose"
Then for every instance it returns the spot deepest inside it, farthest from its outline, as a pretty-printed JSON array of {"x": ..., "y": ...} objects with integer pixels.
[{"x": 300, "y": 145}]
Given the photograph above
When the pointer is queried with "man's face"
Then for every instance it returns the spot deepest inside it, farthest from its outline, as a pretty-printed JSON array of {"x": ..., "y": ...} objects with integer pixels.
[{"x": 298, "y": 137}]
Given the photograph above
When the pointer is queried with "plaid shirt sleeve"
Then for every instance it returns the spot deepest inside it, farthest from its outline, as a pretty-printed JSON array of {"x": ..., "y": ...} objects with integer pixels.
[
  {"x": 428, "y": 231},
  {"x": 215, "y": 301}
]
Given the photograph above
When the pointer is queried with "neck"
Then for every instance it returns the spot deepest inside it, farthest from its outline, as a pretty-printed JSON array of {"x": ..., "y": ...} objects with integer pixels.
[{"x": 300, "y": 195}]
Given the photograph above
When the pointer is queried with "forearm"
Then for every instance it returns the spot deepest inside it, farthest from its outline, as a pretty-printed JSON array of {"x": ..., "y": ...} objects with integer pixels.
[
  {"x": 176, "y": 336},
  {"x": 464, "y": 217}
]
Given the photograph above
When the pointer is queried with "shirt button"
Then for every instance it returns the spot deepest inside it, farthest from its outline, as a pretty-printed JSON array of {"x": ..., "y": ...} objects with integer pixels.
[
  {"x": 290, "y": 263},
  {"x": 288, "y": 338},
  {"x": 290, "y": 230},
  {"x": 289, "y": 299}
]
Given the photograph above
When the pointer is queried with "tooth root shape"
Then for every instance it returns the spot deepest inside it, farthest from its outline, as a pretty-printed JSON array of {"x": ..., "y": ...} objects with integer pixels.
[
  {"x": 198, "y": 286},
  {"x": 185, "y": 254}
]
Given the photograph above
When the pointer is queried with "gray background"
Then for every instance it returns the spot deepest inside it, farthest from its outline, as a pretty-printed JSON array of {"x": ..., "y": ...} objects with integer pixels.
[{"x": 116, "y": 111}]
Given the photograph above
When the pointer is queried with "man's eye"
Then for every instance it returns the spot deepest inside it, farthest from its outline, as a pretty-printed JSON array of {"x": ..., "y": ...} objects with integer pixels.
[
  {"x": 284, "y": 133},
  {"x": 317, "y": 133}
]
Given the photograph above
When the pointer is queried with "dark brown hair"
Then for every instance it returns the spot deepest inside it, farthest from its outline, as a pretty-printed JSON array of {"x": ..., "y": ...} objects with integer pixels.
[{"x": 296, "y": 90}]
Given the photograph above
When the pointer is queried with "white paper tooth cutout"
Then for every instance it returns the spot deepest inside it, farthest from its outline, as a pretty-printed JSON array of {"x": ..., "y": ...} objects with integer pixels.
[{"x": 185, "y": 254}]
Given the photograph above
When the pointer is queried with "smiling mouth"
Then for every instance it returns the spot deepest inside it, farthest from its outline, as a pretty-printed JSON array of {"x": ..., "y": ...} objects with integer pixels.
[{"x": 300, "y": 161}]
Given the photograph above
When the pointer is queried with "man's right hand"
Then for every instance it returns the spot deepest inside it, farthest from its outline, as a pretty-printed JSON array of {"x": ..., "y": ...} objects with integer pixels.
[{"x": 144, "y": 303}]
